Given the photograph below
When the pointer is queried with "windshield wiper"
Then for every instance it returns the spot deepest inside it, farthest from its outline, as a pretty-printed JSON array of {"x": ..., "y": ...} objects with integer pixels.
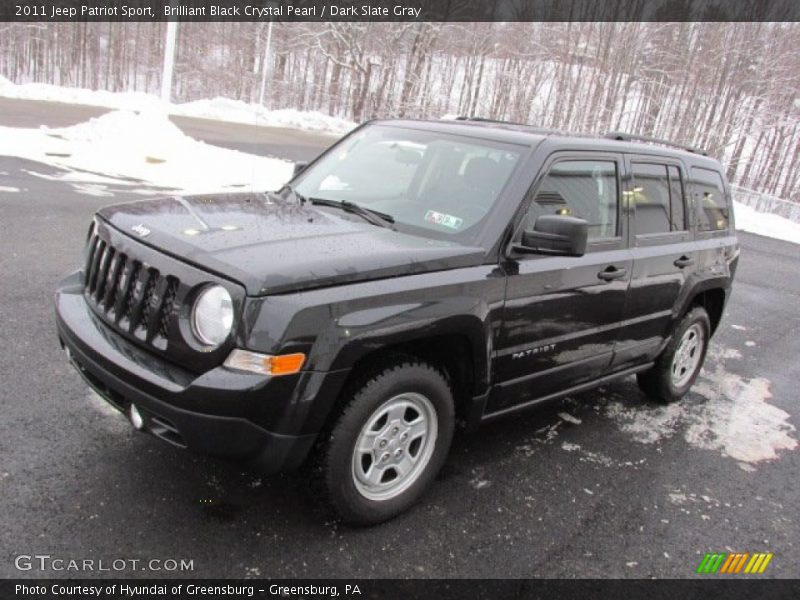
[{"x": 373, "y": 216}]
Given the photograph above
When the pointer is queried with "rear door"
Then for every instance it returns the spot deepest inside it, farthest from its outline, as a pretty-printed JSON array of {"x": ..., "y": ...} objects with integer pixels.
[
  {"x": 562, "y": 314},
  {"x": 664, "y": 255}
]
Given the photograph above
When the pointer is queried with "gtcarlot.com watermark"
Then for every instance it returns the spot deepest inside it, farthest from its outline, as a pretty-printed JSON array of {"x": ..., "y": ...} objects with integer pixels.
[{"x": 47, "y": 562}]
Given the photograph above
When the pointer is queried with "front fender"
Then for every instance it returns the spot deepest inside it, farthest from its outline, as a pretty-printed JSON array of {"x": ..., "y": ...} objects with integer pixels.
[
  {"x": 337, "y": 327},
  {"x": 353, "y": 336}
]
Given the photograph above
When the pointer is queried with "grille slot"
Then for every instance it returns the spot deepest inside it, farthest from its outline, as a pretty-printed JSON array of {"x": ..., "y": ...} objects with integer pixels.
[
  {"x": 99, "y": 249},
  {"x": 132, "y": 278},
  {"x": 166, "y": 310},
  {"x": 133, "y": 296},
  {"x": 147, "y": 299}
]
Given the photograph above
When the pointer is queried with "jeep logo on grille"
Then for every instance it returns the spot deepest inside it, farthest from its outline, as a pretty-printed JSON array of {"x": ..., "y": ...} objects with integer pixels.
[{"x": 140, "y": 230}]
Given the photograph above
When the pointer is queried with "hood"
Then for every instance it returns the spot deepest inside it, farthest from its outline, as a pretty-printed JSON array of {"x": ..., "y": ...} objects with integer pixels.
[{"x": 271, "y": 245}]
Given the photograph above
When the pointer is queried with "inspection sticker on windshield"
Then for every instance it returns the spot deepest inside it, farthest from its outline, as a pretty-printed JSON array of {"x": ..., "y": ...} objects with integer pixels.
[{"x": 444, "y": 220}]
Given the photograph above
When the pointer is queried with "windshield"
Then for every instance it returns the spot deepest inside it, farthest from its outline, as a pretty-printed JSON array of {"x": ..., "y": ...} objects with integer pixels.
[{"x": 431, "y": 183}]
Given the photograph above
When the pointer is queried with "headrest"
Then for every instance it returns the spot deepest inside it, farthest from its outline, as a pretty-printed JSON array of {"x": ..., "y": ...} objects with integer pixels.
[{"x": 480, "y": 171}]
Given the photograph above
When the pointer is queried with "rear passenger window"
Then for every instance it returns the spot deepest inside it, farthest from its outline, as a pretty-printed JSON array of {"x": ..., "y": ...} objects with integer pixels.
[
  {"x": 709, "y": 197},
  {"x": 586, "y": 189},
  {"x": 651, "y": 198}
]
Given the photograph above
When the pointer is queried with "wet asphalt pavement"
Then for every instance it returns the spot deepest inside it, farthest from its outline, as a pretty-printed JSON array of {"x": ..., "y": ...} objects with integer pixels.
[{"x": 604, "y": 484}]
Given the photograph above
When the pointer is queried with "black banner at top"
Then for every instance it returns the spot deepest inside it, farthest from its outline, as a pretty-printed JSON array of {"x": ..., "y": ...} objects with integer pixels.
[{"x": 398, "y": 10}]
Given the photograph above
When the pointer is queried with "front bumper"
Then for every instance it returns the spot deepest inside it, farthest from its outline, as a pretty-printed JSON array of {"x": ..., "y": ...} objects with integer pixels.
[{"x": 220, "y": 413}]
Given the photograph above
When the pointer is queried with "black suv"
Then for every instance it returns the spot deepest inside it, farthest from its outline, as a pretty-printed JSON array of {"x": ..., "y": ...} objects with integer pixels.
[{"x": 415, "y": 276}]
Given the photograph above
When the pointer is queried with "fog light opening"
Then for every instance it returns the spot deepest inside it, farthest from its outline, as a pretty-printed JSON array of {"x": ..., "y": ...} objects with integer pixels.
[{"x": 136, "y": 417}]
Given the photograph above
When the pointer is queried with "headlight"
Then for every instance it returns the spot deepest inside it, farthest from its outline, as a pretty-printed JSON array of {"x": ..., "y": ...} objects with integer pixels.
[{"x": 212, "y": 315}]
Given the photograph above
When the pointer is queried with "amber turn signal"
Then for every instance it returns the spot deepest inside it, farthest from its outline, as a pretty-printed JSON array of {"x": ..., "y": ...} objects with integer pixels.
[
  {"x": 265, "y": 364},
  {"x": 287, "y": 363}
]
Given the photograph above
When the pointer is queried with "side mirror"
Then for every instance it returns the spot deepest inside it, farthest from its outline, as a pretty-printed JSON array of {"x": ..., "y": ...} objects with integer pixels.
[
  {"x": 555, "y": 234},
  {"x": 299, "y": 167}
]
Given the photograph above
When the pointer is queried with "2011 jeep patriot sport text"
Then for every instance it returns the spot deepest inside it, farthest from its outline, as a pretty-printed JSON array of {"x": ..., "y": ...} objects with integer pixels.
[{"x": 415, "y": 275}]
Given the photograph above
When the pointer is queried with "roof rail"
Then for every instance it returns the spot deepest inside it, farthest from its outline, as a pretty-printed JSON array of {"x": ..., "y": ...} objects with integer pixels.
[
  {"x": 630, "y": 137},
  {"x": 535, "y": 128},
  {"x": 486, "y": 120}
]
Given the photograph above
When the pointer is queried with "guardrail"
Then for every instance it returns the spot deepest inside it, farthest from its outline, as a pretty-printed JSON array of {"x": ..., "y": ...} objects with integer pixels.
[{"x": 767, "y": 204}]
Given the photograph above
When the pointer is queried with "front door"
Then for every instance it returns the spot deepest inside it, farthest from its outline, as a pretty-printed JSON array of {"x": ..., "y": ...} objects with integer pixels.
[{"x": 562, "y": 314}]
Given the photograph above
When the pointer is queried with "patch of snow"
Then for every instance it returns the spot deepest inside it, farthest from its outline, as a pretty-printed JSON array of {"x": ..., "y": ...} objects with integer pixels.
[
  {"x": 766, "y": 224},
  {"x": 93, "y": 189},
  {"x": 479, "y": 484},
  {"x": 550, "y": 435},
  {"x": 721, "y": 353},
  {"x": 647, "y": 425},
  {"x": 739, "y": 327},
  {"x": 527, "y": 449},
  {"x": 236, "y": 111},
  {"x": 220, "y": 109},
  {"x": 731, "y": 353},
  {"x": 738, "y": 420},
  {"x": 569, "y": 418},
  {"x": 598, "y": 457},
  {"x": 67, "y": 95},
  {"x": 141, "y": 149},
  {"x": 252, "y": 573},
  {"x": 590, "y": 492},
  {"x": 734, "y": 419},
  {"x": 7, "y": 189},
  {"x": 749, "y": 343}
]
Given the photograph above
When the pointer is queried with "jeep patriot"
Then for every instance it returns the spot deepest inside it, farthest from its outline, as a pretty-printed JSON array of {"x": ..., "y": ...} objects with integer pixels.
[{"x": 416, "y": 276}]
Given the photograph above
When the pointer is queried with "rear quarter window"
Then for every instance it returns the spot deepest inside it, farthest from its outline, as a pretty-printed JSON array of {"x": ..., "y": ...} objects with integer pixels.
[{"x": 710, "y": 202}]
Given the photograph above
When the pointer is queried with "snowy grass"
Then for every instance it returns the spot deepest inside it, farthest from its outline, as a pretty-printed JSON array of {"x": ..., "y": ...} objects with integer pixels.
[
  {"x": 236, "y": 111},
  {"x": 766, "y": 224},
  {"x": 220, "y": 109}
]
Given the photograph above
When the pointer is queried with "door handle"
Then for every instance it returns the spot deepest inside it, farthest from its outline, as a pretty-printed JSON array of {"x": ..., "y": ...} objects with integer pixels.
[
  {"x": 684, "y": 261},
  {"x": 611, "y": 272}
]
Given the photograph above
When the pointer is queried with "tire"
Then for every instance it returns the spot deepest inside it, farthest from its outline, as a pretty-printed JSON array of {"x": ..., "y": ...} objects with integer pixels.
[
  {"x": 402, "y": 418},
  {"x": 678, "y": 366}
]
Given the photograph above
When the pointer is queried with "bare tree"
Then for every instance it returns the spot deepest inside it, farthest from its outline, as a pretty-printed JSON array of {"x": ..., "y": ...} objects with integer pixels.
[{"x": 731, "y": 87}]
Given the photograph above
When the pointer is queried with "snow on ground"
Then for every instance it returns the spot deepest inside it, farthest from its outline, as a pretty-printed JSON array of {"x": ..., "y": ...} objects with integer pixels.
[
  {"x": 124, "y": 148},
  {"x": 766, "y": 224},
  {"x": 55, "y": 93},
  {"x": 154, "y": 113},
  {"x": 4, "y": 189},
  {"x": 220, "y": 109},
  {"x": 236, "y": 111},
  {"x": 734, "y": 417}
]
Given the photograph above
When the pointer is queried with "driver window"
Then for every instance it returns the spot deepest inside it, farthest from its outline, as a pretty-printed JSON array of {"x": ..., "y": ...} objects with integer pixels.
[{"x": 586, "y": 189}]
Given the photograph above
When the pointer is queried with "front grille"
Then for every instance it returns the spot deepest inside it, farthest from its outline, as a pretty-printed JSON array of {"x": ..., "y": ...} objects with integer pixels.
[{"x": 137, "y": 298}]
